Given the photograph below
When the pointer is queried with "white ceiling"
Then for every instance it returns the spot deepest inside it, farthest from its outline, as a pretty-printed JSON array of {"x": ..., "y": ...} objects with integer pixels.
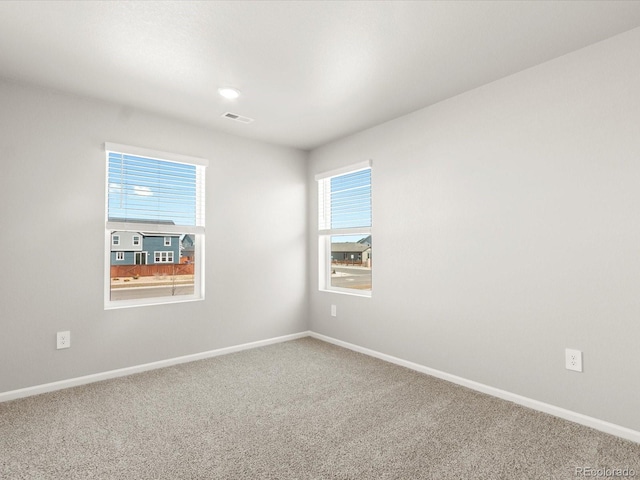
[{"x": 309, "y": 72}]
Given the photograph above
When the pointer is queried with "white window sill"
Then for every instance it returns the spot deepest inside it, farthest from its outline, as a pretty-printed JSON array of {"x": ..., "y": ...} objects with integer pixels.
[
  {"x": 347, "y": 291},
  {"x": 146, "y": 302}
]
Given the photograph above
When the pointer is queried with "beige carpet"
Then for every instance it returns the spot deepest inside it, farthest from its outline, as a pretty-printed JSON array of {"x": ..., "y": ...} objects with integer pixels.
[{"x": 303, "y": 409}]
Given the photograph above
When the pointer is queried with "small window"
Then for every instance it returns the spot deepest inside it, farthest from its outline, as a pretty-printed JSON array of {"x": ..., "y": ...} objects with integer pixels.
[
  {"x": 154, "y": 201},
  {"x": 344, "y": 230}
]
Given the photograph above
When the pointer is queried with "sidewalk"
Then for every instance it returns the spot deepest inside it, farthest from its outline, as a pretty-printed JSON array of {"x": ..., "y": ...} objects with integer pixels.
[{"x": 154, "y": 281}]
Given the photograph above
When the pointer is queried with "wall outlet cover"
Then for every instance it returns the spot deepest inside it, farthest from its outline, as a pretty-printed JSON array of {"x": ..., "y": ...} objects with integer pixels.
[
  {"x": 63, "y": 340},
  {"x": 573, "y": 360}
]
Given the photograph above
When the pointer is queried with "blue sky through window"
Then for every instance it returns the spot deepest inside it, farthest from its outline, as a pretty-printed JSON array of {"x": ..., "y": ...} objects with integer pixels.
[
  {"x": 351, "y": 200},
  {"x": 148, "y": 189}
]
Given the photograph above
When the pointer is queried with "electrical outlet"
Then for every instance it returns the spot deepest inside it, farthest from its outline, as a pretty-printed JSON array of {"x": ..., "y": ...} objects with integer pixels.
[
  {"x": 63, "y": 340},
  {"x": 333, "y": 311},
  {"x": 573, "y": 359}
]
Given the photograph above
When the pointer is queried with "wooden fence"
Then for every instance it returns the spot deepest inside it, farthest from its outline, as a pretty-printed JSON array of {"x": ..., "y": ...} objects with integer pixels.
[
  {"x": 355, "y": 263},
  {"x": 118, "y": 271},
  {"x": 347, "y": 262}
]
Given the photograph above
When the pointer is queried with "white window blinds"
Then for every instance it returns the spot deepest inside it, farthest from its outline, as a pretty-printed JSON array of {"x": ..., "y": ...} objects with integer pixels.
[
  {"x": 154, "y": 191},
  {"x": 344, "y": 201}
]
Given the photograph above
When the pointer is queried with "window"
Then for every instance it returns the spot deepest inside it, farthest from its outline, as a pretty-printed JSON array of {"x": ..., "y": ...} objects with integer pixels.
[
  {"x": 163, "y": 257},
  {"x": 344, "y": 230},
  {"x": 154, "y": 203}
]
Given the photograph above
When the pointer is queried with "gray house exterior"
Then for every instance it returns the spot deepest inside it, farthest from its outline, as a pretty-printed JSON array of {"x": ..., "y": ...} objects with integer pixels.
[{"x": 350, "y": 251}]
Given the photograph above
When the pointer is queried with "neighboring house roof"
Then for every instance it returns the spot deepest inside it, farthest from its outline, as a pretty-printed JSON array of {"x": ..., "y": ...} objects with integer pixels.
[
  {"x": 365, "y": 240},
  {"x": 188, "y": 246},
  {"x": 349, "y": 247},
  {"x": 150, "y": 222},
  {"x": 188, "y": 241}
]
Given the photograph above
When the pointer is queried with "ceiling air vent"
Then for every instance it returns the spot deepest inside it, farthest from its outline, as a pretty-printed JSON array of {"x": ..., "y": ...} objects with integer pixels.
[{"x": 237, "y": 118}]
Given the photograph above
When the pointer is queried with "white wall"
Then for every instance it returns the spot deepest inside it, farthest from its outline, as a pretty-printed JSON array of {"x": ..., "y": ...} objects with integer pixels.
[
  {"x": 52, "y": 176},
  {"x": 506, "y": 227}
]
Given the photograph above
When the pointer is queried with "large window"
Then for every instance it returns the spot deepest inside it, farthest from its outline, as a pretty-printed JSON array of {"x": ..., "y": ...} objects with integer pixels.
[
  {"x": 344, "y": 230},
  {"x": 163, "y": 257},
  {"x": 154, "y": 203}
]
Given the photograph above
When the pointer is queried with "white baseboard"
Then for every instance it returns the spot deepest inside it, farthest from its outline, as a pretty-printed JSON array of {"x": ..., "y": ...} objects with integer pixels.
[
  {"x": 575, "y": 417},
  {"x": 122, "y": 372}
]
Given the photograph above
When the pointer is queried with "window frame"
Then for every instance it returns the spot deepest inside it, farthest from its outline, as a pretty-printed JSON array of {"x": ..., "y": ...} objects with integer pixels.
[
  {"x": 325, "y": 235},
  {"x": 197, "y": 231},
  {"x": 159, "y": 254},
  {"x": 120, "y": 256}
]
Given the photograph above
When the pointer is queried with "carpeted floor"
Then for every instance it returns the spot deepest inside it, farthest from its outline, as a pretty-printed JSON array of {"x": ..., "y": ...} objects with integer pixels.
[{"x": 303, "y": 409}]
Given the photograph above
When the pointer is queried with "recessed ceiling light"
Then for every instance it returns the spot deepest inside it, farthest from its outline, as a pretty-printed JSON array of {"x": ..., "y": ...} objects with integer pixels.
[{"x": 229, "y": 93}]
